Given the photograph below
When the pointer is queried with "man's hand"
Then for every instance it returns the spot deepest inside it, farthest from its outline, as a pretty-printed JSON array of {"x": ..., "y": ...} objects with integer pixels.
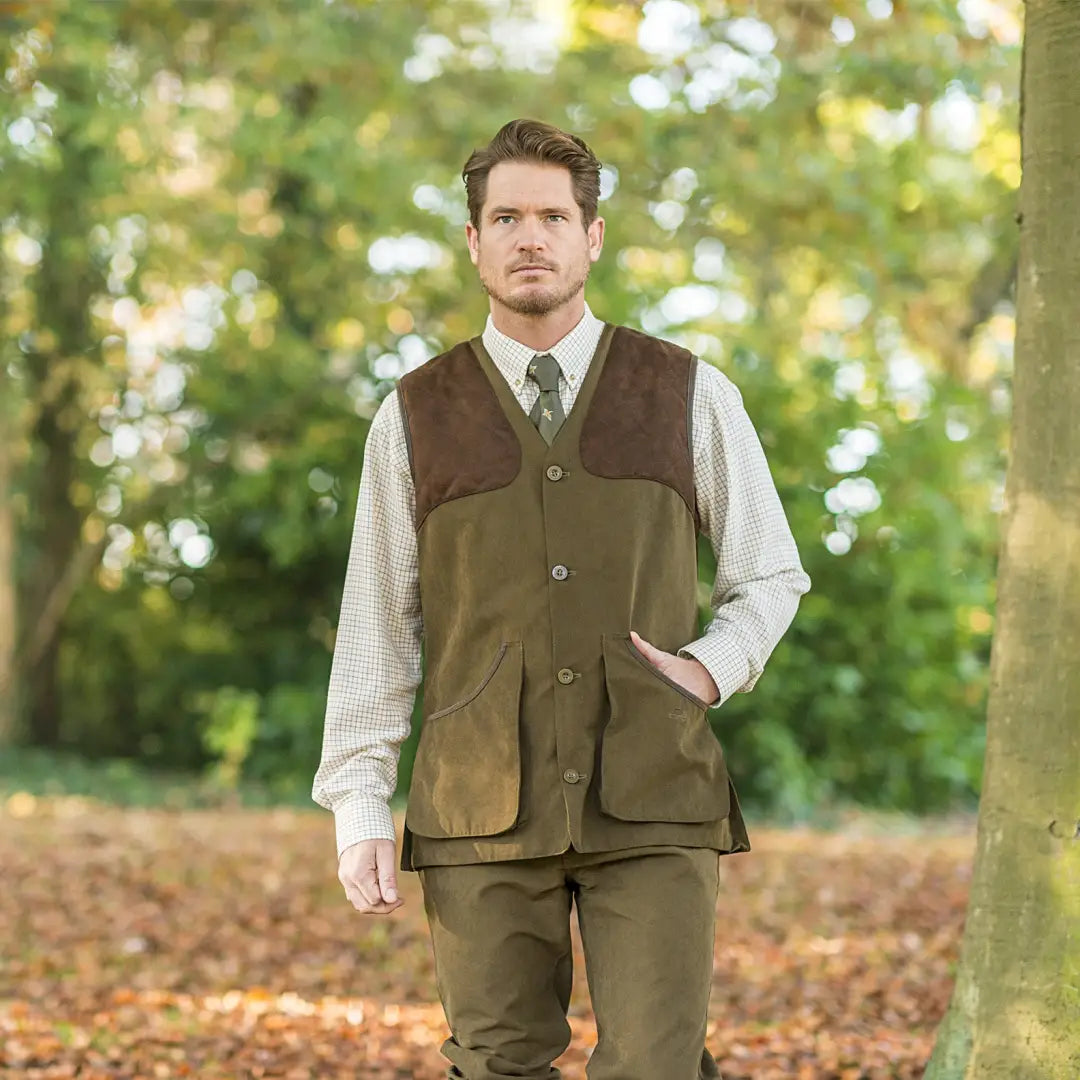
[
  {"x": 367, "y": 870},
  {"x": 690, "y": 674}
]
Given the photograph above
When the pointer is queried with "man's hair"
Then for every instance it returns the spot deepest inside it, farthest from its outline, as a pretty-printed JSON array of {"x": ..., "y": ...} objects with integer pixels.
[{"x": 535, "y": 141}]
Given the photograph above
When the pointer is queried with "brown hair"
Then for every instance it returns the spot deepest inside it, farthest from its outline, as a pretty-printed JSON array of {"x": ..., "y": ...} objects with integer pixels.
[{"x": 533, "y": 140}]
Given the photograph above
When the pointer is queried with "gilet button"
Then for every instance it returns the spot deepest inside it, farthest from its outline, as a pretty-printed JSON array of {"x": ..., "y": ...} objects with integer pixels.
[
  {"x": 572, "y": 776},
  {"x": 558, "y": 571},
  {"x": 565, "y": 675},
  {"x": 554, "y": 472}
]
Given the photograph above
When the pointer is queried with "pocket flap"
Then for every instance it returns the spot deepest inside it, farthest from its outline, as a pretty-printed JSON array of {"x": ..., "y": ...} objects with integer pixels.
[
  {"x": 466, "y": 777},
  {"x": 660, "y": 759}
]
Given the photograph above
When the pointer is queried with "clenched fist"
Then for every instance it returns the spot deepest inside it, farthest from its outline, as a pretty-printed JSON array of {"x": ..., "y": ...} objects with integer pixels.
[{"x": 367, "y": 870}]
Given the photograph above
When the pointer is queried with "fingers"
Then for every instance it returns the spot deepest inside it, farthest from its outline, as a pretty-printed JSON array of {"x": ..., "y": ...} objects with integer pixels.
[
  {"x": 367, "y": 872},
  {"x": 647, "y": 648},
  {"x": 358, "y": 901},
  {"x": 367, "y": 885},
  {"x": 385, "y": 858},
  {"x": 366, "y": 897},
  {"x": 377, "y": 880}
]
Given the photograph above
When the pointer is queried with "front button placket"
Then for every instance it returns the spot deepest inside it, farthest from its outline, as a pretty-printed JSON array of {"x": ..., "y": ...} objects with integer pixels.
[
  {"x": 568, "y": 651},
  {"x": 574, "y": 642},
  {"x": 563, "y": 716}
]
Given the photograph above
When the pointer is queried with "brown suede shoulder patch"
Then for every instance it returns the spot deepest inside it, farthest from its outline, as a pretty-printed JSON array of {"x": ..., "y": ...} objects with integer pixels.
[
  {"x": 460, "y": 439},
  {"x": 638, "y": 421}
]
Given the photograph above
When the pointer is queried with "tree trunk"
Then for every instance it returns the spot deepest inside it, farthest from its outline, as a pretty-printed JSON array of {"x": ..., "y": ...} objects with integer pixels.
[
  {"x": 1015, "y": 1011},
  {"x": 9, "y": 618},
  {"x": 55, "y": 546},
  {"x": 65, "y": 286}
]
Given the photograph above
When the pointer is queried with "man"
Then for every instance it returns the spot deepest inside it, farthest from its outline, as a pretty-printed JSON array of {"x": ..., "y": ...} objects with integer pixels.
[{"x": 529, "y": 505}]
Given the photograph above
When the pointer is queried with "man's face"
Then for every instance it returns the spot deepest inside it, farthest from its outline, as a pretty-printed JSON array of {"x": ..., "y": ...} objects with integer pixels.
[{"x": 531, "y": 250}]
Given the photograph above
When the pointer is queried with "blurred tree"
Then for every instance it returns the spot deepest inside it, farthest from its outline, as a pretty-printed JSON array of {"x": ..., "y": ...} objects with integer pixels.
[
  {"x": 8, "y": 598},
  {"x": 1016, "y": 1007}
]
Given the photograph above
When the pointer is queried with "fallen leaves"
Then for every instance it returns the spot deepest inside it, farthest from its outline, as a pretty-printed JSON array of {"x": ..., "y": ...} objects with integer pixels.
[{"x": 148, "y": 944}]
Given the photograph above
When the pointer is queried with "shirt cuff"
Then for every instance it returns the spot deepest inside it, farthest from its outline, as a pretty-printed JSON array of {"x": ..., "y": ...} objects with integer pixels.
[
  {"x": 362, "y": 817},
  {"x": 724, "y": 660}
]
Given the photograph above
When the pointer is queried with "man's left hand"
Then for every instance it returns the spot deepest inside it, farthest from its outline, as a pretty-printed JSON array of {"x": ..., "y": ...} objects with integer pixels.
[{"x": 690, "y": 674}]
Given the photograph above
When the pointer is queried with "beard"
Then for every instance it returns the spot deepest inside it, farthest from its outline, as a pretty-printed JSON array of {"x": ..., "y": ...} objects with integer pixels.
[{"x": 539, "y": 301}]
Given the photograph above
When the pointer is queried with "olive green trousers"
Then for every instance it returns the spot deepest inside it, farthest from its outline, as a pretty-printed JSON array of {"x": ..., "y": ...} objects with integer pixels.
[{"x": 500, "y": 934}]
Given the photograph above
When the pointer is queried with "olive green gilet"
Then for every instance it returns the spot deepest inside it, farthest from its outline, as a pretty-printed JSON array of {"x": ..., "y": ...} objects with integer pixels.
[{"x": 542, "y": 725}]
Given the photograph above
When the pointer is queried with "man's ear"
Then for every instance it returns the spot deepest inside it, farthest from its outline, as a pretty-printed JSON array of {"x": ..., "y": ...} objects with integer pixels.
[
  {"x": 472, "y": 238},
  {"x": 596, "y": 238}
]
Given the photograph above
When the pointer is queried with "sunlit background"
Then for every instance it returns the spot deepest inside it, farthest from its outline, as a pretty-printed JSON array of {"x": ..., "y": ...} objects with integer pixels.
[{"x": 227, "y": 229}]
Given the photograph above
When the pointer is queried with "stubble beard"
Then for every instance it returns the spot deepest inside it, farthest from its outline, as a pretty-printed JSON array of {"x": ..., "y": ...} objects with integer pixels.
[{"x": 537, "y": 301}]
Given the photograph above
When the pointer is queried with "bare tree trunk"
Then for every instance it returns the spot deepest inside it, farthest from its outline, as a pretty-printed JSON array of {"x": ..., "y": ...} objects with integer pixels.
[
  {"x": 65, "y": 284},
  {"x": 9, "y": 615},
  {"x": 55, "y": 542},
  {"x": 1015, "y": 1011}
]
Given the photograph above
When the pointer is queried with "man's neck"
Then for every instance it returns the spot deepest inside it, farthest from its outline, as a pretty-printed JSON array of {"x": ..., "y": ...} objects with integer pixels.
[{"x": 538, "y": 332}]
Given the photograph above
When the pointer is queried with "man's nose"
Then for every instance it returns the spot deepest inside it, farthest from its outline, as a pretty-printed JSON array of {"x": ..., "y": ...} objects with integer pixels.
[{"x": 530, "y": 236}]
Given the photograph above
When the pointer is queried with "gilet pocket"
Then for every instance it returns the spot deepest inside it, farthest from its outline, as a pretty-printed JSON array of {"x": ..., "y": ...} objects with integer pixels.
[
  {"x": 659, "y": 758},
  {"x": 466, "y": 778}
]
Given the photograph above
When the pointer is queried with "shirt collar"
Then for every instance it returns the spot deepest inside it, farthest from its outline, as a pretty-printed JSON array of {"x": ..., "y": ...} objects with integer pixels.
[{"x": 573, "y": 351}]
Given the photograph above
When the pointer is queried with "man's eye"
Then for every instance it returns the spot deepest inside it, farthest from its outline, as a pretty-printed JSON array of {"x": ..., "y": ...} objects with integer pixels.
[
  {"x": 504, "y": 217},
  {"x": 561, "y": 217}
]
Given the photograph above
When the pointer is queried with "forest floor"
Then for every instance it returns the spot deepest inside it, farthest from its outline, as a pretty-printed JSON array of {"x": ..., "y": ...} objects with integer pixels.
[{"x": 140, "y": 942}]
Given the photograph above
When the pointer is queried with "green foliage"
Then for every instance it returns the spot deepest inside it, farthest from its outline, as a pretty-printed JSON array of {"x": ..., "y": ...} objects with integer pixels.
[
  {"x": 830, "y": 223},
  {"x": 289, "y": 736},
  {"x": 231, "y": 720},
  {"x": 120, "y": 781}
]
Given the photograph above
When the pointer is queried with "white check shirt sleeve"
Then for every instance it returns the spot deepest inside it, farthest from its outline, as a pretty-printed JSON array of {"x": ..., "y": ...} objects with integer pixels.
[
  {"x": 759, "y": 577},
  {"x": 376, "y": 667}
]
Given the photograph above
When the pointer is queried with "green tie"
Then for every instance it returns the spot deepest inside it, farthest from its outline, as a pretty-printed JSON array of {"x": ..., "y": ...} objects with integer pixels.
[{"x": 547, "y": 414}]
